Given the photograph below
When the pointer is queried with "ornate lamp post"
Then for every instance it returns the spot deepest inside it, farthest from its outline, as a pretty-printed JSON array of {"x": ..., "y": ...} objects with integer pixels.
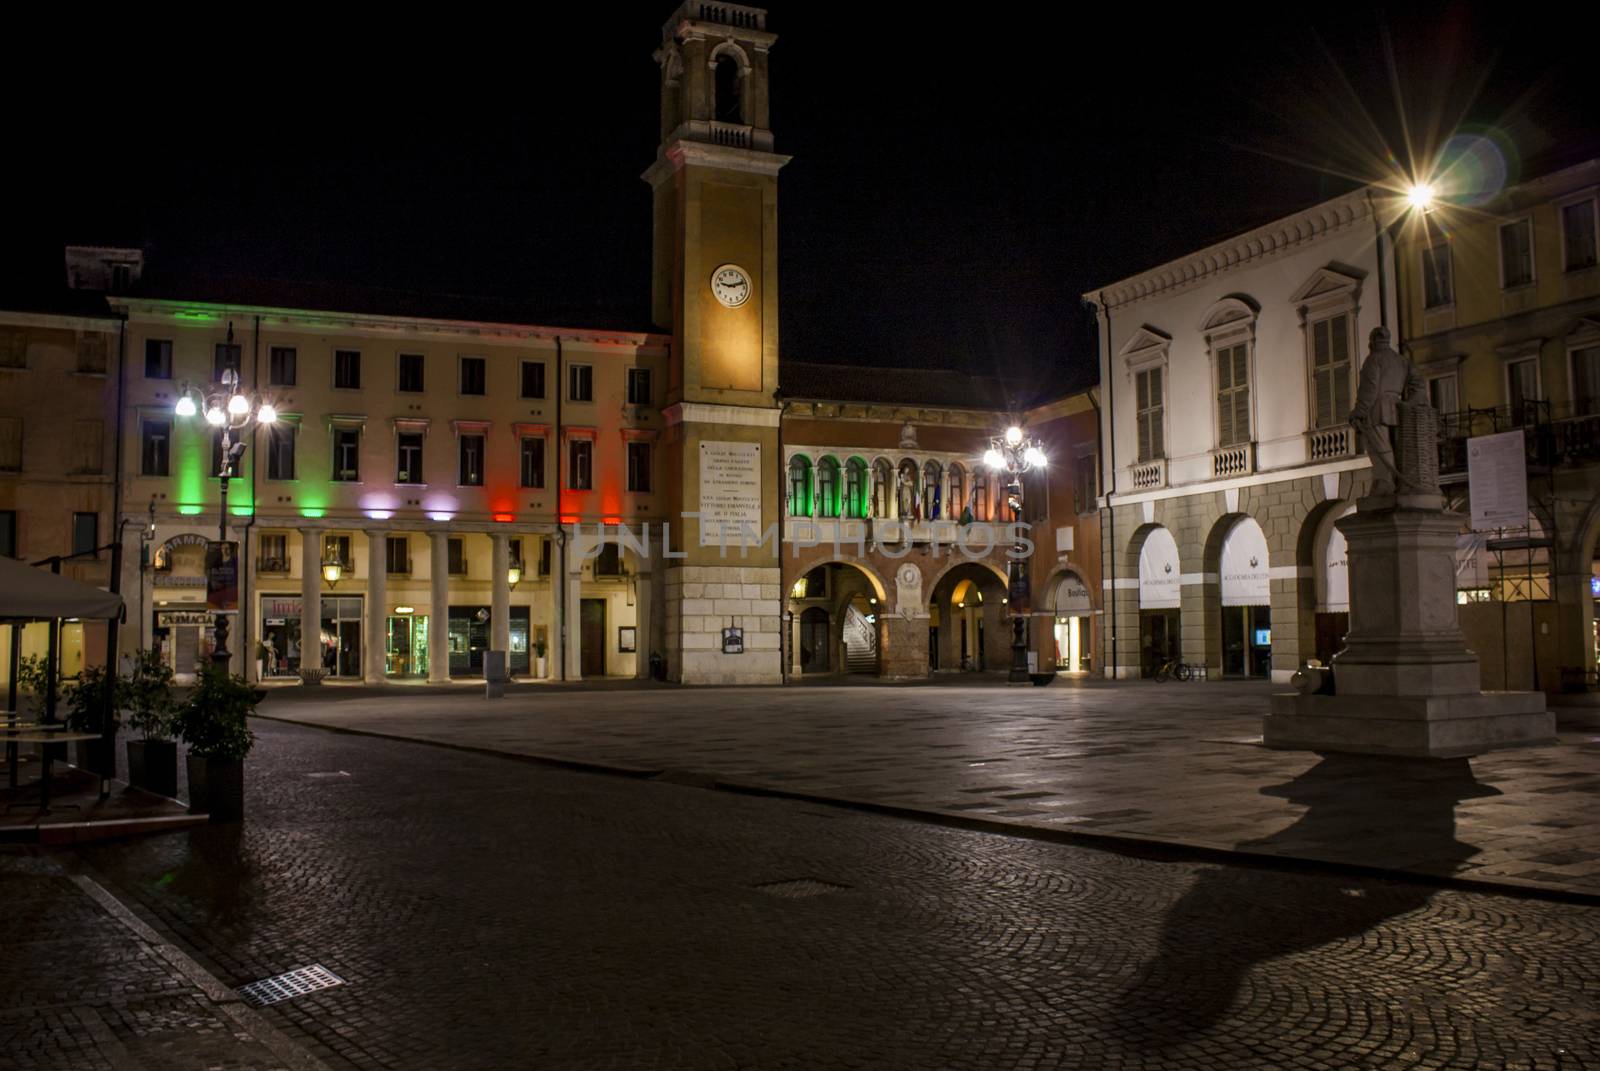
[
  {"x": 234, "y": 414},
  {"x": 1014, "y": 454}
]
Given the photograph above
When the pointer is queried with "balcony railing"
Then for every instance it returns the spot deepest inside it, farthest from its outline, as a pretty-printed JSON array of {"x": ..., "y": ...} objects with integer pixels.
[
  {"x": 272, "y": 565},
  {"x": 1233, "y": 460},
  {"x": 1330, "y": 444},
  {"x": 1149, "y": 475}
]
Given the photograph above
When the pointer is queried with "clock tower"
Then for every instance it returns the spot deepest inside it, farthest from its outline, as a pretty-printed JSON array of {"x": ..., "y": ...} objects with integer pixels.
[{"x": 714, "y": 186}]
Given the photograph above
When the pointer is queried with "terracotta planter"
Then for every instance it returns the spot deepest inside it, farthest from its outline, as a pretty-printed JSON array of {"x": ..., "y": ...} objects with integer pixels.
[
  {"x": 153, "y": 766},
  {"x": 216, "y": 787}
]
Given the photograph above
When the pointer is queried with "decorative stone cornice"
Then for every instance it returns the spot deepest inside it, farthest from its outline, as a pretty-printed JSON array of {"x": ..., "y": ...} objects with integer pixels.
[
  {"x": 1291, "y": 232},
  {"x": 703, "y": 413}
]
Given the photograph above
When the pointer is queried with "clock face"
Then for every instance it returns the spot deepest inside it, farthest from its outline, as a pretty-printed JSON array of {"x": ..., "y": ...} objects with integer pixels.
[{"x": 730, "y": 285}]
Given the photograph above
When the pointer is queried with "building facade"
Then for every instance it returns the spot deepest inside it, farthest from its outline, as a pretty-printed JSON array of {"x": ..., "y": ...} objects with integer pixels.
[
  {"x": 1502, "y": 314},
  {"x": 58, "y": 452},
  {"x": 1227, "y": 377},
  {"x": 897, "y": 539}
]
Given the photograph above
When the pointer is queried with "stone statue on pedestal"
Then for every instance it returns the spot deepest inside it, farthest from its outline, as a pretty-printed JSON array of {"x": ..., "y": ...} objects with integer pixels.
[{"x": 1389, "y": 387}]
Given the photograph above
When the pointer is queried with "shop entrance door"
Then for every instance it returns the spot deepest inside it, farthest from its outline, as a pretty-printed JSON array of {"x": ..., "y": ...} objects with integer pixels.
[
  {"x": 814, "y": 640},
  {"x": 406, "y": 649},
  {"x": 592, "y": 614},
  {"x": 1158, "y": 639}
]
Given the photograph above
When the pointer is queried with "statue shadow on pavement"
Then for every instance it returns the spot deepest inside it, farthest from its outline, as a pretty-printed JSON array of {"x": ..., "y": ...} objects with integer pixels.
[{"x": 1376, "y": 811}]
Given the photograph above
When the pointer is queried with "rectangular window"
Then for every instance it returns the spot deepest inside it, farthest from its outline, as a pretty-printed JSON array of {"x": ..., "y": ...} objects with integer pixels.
[
  {"x": 408, "y": 457},
  {"x": 609, "y": 561},
  {"x": 1443, "y": 396},
  {"x": 458, "y": 558},
  {"x": 88, "y": 446},
  {"x": 346, "y": 454},
  {"x": 1330, "y": 370},
  {"x": 155, "y": 448},
  {"x": 347, "y": 369},
  {"x": 281, "y": 361},
  {"x": 10, "y": 444},
  {"x": 1586, "y": 381},
  {"x": 1438, "y": 285},
  {"x": 1522, "y": 389},
  {"x": 274, "y": 553},
  {"x": 580, "y": 458},
  {"x": 544, "y": 557},
  {"x": 580, "y": 378},
  {"x": 280, "y": 451},
  {"x": 1578, "y": 235},
  {"x": 516, "y": 552},
  {"x": 638, "y": 386},
  {"x": 471, "y": 451},
  {"x": 227, "y": 356},
  {"x": 397, "y": 555},
  {"x": 1086, "y": 483},
  {"x": 533, "y": 461},
  {"x": 336, "y": 548},
  {"x": 639, "y": 467},
  {"x": 410, "y": 375},
  {"x": 1147, "y": 389},
  {"x": 8, "y": 533},
  {"x": 472, "y": 375},
  {"x": 86, "y": 533},
  {"x": 1233, "y": 395},
  {"x": 157, "y": 358},
  {"x": 533, "y": 379},
  {"x": 1516, "y": 254}
]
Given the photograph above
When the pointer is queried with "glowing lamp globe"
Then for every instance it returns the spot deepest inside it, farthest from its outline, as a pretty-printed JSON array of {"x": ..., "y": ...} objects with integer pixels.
[
  {"x": 1013, "y": 435},
  {"x": 992, "y": 458},
  {"x": 1034, "y": 457},
  {"x": 267, "y": 414},
  {"x": 185, "y": 406},
  {"x": 238, "y": 405},
  {"x": 214, "y": 416},
  {"x": 1420, "y": 196}
]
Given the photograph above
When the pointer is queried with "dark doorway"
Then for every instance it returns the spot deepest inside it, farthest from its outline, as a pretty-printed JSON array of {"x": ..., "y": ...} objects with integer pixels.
[
  {"x": 592, "y": 615},
  {"x": 814, "y": 641},
  {"x": 1158, "y": 639},
  {"x": 1246, "y": 641}
]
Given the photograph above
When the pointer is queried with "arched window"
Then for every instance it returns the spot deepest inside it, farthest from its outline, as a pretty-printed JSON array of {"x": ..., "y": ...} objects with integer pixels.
[
  {"x": 932, "y": 491},
  {"x": 799, "y": 486},
  {"x": 855, "y": 488},
  {"x": 729, "y": 105},
  {"x": 828, "y": 487},
  {"x": 882, "y": 496},
  {"x": 980, "y": 496},
  {"x": 907, "y": 493},
  {"x": 956, "y": 497}
]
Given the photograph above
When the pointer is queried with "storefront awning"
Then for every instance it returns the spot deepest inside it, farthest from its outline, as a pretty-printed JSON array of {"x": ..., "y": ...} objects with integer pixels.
[{"x": 28, "y": 593}]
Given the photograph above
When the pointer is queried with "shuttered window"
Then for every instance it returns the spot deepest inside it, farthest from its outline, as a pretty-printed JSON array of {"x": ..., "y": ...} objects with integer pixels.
[
  {"x": 1233, "y": 395},
  {"x": 1149, "y": 397},
  {"x": 1330, "y": 370},
  {"x": 1586, "y": 380},
  {"x": 1516, "y": 254},
  {"x": 10, "y": 444}
]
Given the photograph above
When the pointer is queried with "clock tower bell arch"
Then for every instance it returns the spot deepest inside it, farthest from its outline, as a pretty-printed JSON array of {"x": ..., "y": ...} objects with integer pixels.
[{"x": 714, "y": 188}]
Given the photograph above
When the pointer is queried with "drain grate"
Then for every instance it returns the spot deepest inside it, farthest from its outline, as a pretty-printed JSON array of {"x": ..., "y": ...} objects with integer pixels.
[
  {"x": 800, "y": 888},
  {"x": 290, "y": 984}
]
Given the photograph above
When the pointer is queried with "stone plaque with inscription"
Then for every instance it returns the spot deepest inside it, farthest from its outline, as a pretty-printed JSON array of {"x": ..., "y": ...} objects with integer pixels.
[{"x": 730, "y": 494}]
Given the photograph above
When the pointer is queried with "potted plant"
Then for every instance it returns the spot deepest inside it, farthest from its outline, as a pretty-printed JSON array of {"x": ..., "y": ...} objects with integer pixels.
[
  {"x": 214, "y": 724},
  {"x": 96, "y": 695},
  {"x": 538, "y": 657},
  {"x": 310, "y": 674},
  {"x": 151, "y": 707}
]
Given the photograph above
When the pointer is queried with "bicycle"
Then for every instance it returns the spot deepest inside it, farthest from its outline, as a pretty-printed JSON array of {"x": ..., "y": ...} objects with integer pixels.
[{"x": 1172, "y": 669}]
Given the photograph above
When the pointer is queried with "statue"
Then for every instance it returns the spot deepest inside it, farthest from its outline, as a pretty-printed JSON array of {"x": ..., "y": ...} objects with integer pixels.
[{"x": 1390, "y": 392}]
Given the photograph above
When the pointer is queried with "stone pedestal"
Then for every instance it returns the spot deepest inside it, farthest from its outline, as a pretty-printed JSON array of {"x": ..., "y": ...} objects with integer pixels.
[{"x": 1405, "y": 682}]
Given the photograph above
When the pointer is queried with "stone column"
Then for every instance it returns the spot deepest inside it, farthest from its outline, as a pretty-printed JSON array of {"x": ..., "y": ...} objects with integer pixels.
[
  {"x": 571, "y": 607},
  {"x": 500, "y": 598},
  {"x": 439, "y": 607},
  {"x": 311, "y": 597},
  {"x": 377, "y": 608},
  {"x": 644, "y": 626}
]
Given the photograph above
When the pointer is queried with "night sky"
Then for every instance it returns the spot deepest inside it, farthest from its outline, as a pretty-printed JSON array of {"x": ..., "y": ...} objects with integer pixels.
[{"x": 958, "y": 179}]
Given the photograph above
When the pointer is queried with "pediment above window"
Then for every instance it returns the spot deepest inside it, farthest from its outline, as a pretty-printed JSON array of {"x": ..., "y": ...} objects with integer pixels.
[
  {"x": 1328, "y": 288},
  {"x": 1144, "y": 347},
  {"x": 1585, "y": 332},
  {"x": 1228, "y": 312}
]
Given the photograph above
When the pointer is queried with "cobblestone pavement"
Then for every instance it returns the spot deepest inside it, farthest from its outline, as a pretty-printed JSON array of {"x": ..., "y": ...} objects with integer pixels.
[
  {"x": 1176, "y": 763},
  {"x": 490, "y": 913},
  {"x": 85, "y": 985}
]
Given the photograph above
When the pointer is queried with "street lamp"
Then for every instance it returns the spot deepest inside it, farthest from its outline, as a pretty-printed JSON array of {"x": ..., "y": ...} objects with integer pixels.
[
  {"x": 1014, "y": 454},
  {"x": 234, "y": 413}
]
